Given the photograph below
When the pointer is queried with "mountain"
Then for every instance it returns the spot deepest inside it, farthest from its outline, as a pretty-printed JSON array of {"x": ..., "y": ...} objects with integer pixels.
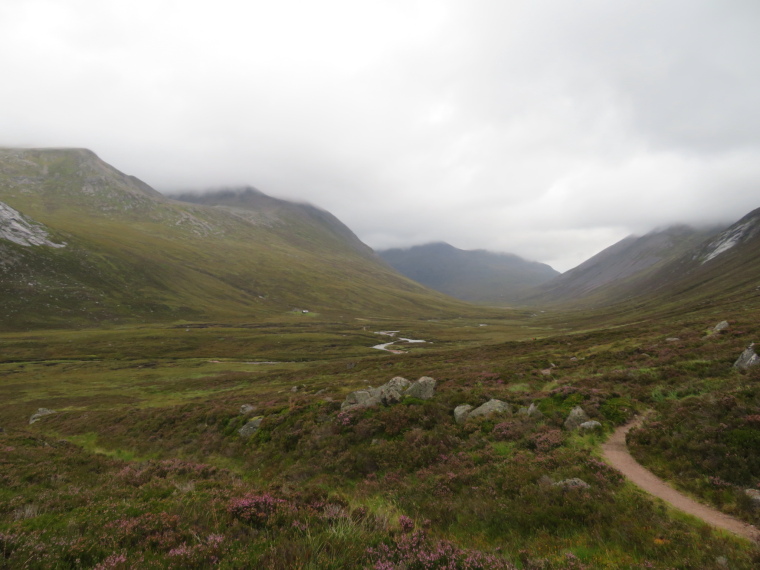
[
  {"x": 673, "y": 266},
  {"x": 618, "y": 271},
  {"x": 83, "y": 243},
  {"x": 479, "y": 276}
]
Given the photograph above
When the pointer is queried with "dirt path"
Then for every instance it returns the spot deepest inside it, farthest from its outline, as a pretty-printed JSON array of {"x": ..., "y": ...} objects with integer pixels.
[{"x": 616, "y": 454}]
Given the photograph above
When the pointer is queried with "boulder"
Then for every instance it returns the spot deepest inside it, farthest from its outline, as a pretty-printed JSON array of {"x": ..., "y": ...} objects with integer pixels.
[
  {"x": 461, "y": 413},
  {"x": 576, "y": 417},
  {"x": 572, "y": 484},
  {"x": 590, "y": 426},
  {"x": 360, "y": 399},
  {"x": 387, "y": 395},
  {"x": 532, "y": 412},
  {"x": 424, "y": 388},
  {"x": 251, "y": 427},
  {"x": 747, "y": 358},
  {"x": 490, "y": 407},
  {"x": 721, "y": 326},
  {"x": 40, "y": 413},
  {"x": 247, "y": 409},
  {"x": 754, "y": 496}
]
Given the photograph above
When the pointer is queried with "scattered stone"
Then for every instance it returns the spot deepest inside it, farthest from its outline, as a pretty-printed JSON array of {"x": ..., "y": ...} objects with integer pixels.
[
  {"x": 576, "y": 417},
  {"x": 754, "y": 496},
  {"x": 461, "y": 413},
  {"x": 590, "y": 426},
  {"x": 492, "y": 406},
  {"x": 532, "y": 412},
  {"x": 672, "y": 339},
  {"x": 570, "y": 484},
  {"x": 721, "y": 326},
  {"x": 424, "y": 388},
  {"x": 360, "y": 399},
  {"x": 546, "y": 372},
  {"x": 251, "y": 427},
  {"x": 747, "y": 358},
  {"x": 40, "y": 413},
  {"x": 246, "y": 409}
]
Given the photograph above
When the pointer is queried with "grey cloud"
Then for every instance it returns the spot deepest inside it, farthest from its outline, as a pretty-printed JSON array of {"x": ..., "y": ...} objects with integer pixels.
[{"x": 547, "y": 129}]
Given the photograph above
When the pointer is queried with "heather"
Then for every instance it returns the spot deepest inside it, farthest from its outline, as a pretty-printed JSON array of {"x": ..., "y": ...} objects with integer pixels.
[{"x": 143, "y": 464}]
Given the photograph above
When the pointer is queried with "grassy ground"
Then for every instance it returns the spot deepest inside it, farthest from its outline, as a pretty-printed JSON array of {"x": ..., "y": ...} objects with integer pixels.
[{"x": 142, "y": 464}]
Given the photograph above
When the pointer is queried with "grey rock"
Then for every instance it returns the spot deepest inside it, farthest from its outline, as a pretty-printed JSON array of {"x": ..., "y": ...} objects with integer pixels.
[
  {"x": 748, "y": 358},
  {"x": 721, "y": 326},
  {"x": 251, "y": 427},
  {"x": 362, "y": 399},
  {"x": 576, "y": 417},
  {"x": 424, "y": 388},
  {"x": 571, "y": 484},
  {"x": 532, "y": 412},
  {"x": 492, "y": 406},
  {"x": 754, "y": 496},
  {"x": 388, "y": 395},
  {"x": 246, "y": 409},
  {"x": 590, "y": 426},
  {"x": 398, "y": 383},
  {"x": 672, "y": 339},
  {"x": 40, "y": 413},
  {"x": 461, "y": 413}
]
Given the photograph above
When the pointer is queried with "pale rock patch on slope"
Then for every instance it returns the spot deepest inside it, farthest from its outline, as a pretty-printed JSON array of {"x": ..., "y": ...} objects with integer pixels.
[
  {"x": 15, "y": 227},
  {"x": 731, "y": 237}
]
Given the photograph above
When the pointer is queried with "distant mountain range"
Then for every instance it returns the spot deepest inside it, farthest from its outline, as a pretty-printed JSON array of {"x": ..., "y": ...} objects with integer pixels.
[
  {"x": 82, "y": 243},
  {"x": 478, "y": 276}
]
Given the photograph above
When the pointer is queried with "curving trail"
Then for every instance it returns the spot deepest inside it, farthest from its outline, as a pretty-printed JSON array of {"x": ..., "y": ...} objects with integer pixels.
[{"x": 615, "y": 453}]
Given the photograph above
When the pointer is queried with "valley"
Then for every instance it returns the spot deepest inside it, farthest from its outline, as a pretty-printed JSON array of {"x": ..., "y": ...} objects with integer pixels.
[{"x": 184, "y": 384}]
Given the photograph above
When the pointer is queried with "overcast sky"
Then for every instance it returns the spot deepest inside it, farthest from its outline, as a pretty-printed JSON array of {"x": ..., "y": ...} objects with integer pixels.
[{"x": 546, "y": 128}]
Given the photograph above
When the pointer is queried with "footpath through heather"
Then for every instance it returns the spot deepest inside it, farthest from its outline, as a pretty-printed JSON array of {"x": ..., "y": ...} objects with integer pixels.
[{"x": 616, "y": 454}]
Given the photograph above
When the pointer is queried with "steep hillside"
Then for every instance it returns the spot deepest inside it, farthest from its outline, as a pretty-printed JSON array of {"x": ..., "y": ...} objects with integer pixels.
[
  {"x": 108, "y": 248},
  {"x": 725, "y": 266},
  {"x": 479, "y": 276},
  {"x": 622, "y": 270}
]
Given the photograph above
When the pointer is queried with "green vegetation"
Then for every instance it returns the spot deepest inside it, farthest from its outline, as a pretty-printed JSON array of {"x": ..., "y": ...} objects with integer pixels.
[
  {"x": 159, "y": 320},
  {"x": 142, "y": 463}
]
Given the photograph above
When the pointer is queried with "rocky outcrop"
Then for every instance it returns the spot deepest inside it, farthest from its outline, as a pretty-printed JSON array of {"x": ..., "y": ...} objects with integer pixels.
[
  {"x": 19, "y": 229},
  {"x": 251, "y": 427},
  {"x": 390, "y": 393},
  {"x": 247, "y": 409},
  {"x": 576, "y": 417},
  {"x": 40, "y": 413},
  {"x": 748, "y": 358}
]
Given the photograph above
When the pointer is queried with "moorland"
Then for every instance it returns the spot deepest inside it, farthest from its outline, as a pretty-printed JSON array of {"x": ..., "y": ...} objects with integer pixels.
[{"x": 141, "y": 462}]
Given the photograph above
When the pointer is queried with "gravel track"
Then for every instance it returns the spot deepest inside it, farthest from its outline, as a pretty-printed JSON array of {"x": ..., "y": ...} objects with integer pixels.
[{"x": 616, "y": 453}]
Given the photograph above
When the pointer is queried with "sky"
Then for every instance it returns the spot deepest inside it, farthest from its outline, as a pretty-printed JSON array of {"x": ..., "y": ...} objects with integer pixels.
[{"x": 546, "y": 128}]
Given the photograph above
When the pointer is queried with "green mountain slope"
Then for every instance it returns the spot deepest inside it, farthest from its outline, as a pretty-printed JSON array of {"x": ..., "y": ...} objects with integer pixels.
[
  {"x": 131, "y": 254},
  {"x": 479, "y": 276},
  {"x": 621, "y": 271}
]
